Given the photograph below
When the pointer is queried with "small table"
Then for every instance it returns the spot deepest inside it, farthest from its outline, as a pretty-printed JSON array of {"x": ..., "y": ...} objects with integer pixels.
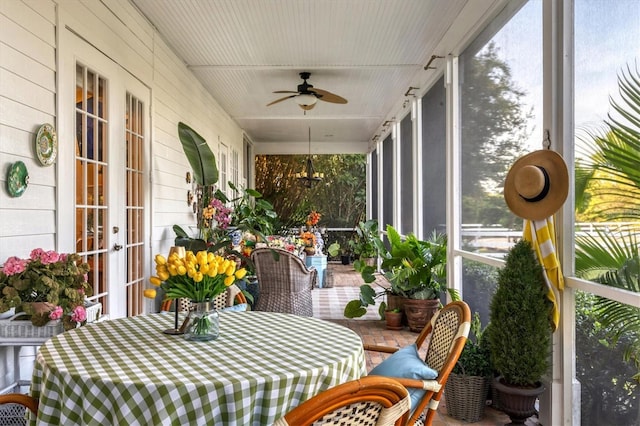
[
  {"x": 318, "y": 261},
  {"x": 126, "y": 371}
]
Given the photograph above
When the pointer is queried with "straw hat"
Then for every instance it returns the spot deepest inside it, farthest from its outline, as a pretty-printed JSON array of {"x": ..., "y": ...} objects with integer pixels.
[{"x": 537, "y": 185}]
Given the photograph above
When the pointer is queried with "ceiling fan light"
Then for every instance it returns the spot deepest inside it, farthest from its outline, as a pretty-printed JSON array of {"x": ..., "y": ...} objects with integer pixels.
[{"x": 305, "y": 99}]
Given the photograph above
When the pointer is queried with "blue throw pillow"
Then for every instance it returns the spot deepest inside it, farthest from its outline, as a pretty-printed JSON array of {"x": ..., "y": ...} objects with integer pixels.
[
  {"x": 240, "y": 307},
  {"x": 406, "y": 363}
]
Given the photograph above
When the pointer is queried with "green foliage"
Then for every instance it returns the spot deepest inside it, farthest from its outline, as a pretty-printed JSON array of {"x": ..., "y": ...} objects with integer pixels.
[
  {"x": 520, "y": 331},
  {"x": 344, "y": 175},
  {"x": 366, "y": 243},
  {"x": 475, "y": 359},
  {"x": 358, "y": 307},
  {"x": 416, "y": 268},
  {"x": 251, "y": 212},
  {"x": 611, "y": 191},
  {"x": 608, "y": 396},
  {"x": 200, "y": 156},
  {"x": 333, "y": 249}
]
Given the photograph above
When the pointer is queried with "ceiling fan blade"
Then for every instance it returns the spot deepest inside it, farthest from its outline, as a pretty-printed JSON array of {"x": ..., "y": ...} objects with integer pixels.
[
  {"x": 285, "y": 91},
  {"x": 328, "y": 96},
  {"x": 282, "y": 99}
]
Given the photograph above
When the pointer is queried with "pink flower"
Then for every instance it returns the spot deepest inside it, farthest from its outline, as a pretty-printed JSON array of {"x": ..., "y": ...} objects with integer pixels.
[
  {"x": 36, "y": 254},
  {"x": 56, "y": 313},
  {"x": 14, "y": 265},
  {"x": 49, "y": 257},
  {"x": 78, "y": 314}
]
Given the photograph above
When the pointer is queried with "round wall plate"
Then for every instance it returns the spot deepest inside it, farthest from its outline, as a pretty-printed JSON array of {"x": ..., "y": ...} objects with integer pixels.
[
  {"x": 46, "y": 144},
  {"x": 17, "y": 179}
]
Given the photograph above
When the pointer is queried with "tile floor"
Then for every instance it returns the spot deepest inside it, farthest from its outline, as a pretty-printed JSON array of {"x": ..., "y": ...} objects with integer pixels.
[{"x": 329, "y": 304}]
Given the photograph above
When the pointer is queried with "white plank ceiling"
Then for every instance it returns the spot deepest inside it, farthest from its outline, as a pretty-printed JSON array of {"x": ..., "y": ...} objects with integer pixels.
[{"x": 367, "y": 51}]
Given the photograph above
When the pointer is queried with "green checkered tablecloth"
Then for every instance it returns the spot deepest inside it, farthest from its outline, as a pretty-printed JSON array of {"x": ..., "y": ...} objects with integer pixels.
[{"x": 127, "y": 372}]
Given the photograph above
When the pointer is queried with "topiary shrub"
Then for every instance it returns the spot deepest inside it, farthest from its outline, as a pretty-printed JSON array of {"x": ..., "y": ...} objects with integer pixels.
[{"x": 520, "y": 331}]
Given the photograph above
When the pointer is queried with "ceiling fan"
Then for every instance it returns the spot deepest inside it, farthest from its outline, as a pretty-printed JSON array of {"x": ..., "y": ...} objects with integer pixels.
[{"x": 306, "y": 96}]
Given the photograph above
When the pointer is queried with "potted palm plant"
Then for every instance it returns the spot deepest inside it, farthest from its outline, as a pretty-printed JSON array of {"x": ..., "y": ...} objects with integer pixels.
[{"x": 519, "y": 333}]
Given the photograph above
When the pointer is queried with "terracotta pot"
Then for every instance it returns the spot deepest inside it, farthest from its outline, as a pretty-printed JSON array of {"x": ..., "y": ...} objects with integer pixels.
[
  {"x": 419, "y": 312},
  {"x": 394, "y": 320},
  {"x": 394, "y": 301},
  {"x": 310, "y": 250}
]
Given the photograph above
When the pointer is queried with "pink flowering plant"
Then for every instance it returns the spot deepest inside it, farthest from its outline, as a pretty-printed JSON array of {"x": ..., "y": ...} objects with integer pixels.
[{"x": 57, "y": 280}]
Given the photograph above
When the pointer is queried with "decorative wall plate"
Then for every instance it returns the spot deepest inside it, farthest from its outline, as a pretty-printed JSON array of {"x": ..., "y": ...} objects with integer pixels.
[
  {"x": 17, "y": 179},
  {"x": 46, "y": 144}
]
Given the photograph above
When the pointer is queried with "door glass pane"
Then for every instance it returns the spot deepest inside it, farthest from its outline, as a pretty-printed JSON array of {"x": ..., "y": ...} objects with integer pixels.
[
  {"x": 90, "y": 179},
  {"x": 134, "y": 181}
]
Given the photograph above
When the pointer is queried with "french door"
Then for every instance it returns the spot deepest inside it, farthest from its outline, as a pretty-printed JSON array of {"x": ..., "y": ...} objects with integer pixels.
[{"x": 108, "y": 124}]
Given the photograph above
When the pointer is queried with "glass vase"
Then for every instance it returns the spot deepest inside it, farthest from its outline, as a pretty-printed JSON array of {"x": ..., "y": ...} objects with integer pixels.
[{"x": 204, "y": 322}]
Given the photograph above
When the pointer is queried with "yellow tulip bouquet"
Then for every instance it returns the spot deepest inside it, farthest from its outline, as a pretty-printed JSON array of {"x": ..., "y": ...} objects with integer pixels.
[{"x": 198, "y": 277}]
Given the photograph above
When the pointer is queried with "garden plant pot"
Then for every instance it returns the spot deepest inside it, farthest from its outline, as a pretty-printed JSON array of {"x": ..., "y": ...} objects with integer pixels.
[
  {"x": 346, "y": 259},
  {"x": 419, "y": 312},
  {"x": 466, "y": 396},
  {"x": 518, "y": 403},
  {"x": 394, "y": 320},
  {"x": 397, "y": 302}
]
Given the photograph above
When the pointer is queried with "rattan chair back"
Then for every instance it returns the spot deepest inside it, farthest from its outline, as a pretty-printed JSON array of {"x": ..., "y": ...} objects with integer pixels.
[
  {"x": 370, "y": 401},
  {"x": 284, "y": 282},
  {"x": 447, "y": 333},
  {"x": 13, "y": 406}
]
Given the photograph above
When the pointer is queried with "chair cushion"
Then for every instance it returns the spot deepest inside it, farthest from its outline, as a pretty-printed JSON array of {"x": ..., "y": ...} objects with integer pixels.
[
  {"x": 240, "y": 307},
  {"x": 406, "y": 363}
]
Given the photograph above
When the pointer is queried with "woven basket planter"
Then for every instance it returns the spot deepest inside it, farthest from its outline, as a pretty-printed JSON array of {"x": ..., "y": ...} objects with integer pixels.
[{"x": 466, "y": 396}]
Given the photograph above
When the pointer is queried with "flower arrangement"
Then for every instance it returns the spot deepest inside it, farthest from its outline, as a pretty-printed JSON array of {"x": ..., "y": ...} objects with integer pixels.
[
  {"x": 292, "y": 244},
  {"x": 308, "y": 238},
  {"x": 216, "y": 216},
  {"x": 313, "y": 218},
  {"x": 56, "y": 282},
  {"x": 198, "y": 277}
]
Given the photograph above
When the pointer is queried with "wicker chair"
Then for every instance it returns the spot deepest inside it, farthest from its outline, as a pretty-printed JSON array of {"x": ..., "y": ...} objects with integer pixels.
[
  {"x": 284, "y": 281},
  {"x": 12, "y": 408},
  {"x": 221, "y": 301},
  {"x": 448, "y": 331},
  {"x": 368, "y": 401}
]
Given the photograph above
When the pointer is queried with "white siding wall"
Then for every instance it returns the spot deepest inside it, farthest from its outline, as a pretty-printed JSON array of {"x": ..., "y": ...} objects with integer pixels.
[{"x": 28, "y": 99}]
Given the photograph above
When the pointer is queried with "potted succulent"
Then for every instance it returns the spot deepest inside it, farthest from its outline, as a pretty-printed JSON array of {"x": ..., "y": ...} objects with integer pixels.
[
  {"x": 468, "y": 383},
  {"x": 416, "y": 270},
  {"x": 519, "y": 334}
]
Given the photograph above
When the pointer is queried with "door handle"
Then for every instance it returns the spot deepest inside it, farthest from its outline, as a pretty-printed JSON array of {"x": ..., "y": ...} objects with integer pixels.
[{"x": 117, "y": 247}]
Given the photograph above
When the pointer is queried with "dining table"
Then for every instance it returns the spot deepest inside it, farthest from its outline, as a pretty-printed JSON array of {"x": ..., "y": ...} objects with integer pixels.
[{"x": 128, "y": 372}]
